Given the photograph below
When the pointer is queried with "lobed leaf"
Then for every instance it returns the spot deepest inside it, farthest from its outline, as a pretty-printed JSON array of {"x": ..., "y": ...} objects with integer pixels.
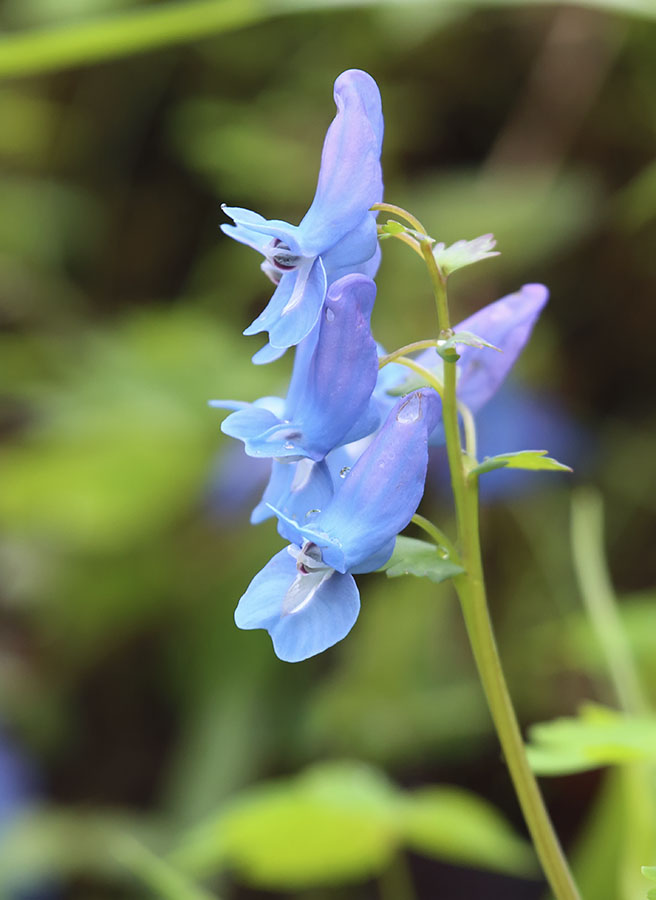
[
  {"x": 534, "y": 460},
  {"x": 420, "y": 558},
  {"x": 596, "y": 737},
  {"x": 464, "y": 253}
]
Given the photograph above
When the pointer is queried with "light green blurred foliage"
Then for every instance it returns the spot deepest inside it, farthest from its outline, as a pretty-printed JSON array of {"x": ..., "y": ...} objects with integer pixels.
[
  {"x": 342, "y": 821},
  {"x": 117, "y": 562}
]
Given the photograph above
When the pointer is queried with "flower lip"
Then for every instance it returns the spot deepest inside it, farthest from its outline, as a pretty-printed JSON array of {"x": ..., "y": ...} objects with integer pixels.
[
  {"x": 282, "y": 256},
  {"x": 309, "y": 559}
]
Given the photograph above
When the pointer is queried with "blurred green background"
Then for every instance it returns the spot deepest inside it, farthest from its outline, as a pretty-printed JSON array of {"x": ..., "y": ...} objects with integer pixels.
[{"x": 138, "y": 707}]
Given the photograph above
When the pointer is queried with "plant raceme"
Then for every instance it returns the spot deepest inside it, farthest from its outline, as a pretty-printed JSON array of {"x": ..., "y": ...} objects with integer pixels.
[{"x": 349, "y": 443}]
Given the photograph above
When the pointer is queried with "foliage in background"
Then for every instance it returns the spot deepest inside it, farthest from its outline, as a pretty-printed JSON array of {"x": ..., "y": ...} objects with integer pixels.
[{"x": 123, "y": 548}]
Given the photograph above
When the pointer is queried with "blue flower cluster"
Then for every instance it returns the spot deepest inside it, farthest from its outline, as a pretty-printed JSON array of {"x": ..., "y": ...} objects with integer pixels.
[{"x": 349, "y": 455}]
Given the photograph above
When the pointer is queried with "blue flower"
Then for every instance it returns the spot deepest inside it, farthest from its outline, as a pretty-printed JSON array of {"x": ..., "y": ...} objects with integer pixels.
[
  {"x": 306, "y": 597},
  {"x": 337, "y": 234},
  {"x": 334, "y": 374},
  {"x": 507, "y": 323}
]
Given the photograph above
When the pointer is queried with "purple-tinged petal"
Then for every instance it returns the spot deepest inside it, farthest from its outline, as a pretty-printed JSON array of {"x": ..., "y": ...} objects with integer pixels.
[
  {"x": 508, "y": 324},
  {"x": 350, "y": 178},
  {"x": 304, "y": 614},
  {"x": 342, "y": 370},
  {"x": 380, "y": 494}
]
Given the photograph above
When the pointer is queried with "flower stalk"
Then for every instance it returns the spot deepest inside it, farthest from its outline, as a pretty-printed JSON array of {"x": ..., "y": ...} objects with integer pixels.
[{"x": 470, "y": 587}]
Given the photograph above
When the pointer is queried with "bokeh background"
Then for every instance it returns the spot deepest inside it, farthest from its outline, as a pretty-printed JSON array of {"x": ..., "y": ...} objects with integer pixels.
[{"x": 129, "y": 702}]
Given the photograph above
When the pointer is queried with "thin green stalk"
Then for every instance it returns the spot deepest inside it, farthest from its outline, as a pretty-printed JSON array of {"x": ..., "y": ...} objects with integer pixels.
[
  {"x": 401, "y": 213},
  {"x": 403, "y": 237},
  {"x": 438, "y": 282},
  {"x": 471, "y": 591},
  {"x": 469, "y": 427},
  {"x": 437, "y": 535},
  {"x": 409, "y": 348},
  {"x": 427, "y": 375},
  {"x": 596, "y": 588}
]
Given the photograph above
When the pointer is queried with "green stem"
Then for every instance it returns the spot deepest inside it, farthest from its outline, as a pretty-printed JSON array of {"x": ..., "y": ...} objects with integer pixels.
[
  {"x": 438, "y": 282},
  {"x": 471, "y": 591},
  {"x": 599, "y": 598}
]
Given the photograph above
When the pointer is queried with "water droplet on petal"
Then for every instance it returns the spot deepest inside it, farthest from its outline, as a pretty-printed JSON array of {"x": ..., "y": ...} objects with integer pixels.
[
  {"x": 343, "y": 472},
  {"x": 288, "y": 446},
  {"x": 410, "y": 411},
  {"x": 330, "y": 315},
  {"x": 312, "y": 513}
]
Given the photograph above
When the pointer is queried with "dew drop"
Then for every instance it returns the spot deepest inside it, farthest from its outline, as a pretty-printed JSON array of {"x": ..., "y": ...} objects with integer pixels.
[
  {"x": 343, "y": 472},
  {"x": 312, "y": 513},
  {"x": 288, "y": 446},
  {"x": 443, "y": 552},
  {"x": 410, "y": 410},
  {"x": 330, "y": 315}
]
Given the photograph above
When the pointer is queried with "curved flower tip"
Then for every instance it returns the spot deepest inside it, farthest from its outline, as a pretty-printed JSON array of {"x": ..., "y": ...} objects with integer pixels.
[
  {"x": 507, "y": 324},
  {"x": 305, "y": 606}
]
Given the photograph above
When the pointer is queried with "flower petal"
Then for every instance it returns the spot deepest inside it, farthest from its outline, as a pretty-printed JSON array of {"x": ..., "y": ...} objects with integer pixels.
[
  {"x": 350, "y": 178},
  {"x": 298, "y": 490},
  {"x": 379, "y": 496},
  {"x": 294, "y": 307},
  {"x": 342, "y": 370},
  {"x": 256, "y": 224},
  {"x": 250, "y": 423},
  {"x": 324, "y": 609},
  {"x": 268, "y": 354},
  {"x": 507, "y": 324},
  {"x": 355, "y": 249}
]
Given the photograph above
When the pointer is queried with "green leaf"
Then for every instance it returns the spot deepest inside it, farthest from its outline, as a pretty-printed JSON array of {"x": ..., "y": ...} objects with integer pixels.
[
  {"x": 393, "y": 227},
  {"x": 335, "y": 823},
  {"x": 651, "y": 894},
  {"x": 533, "y": 460},
  {"x": 649, "y": 872},
  {"x": 455, "y": 825},
  {"x": 596, "y": 737},
  {"x": 420, "y": 558},
  {"x": 343, "y": 821},
  {"x": 464, "y": 253}
]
